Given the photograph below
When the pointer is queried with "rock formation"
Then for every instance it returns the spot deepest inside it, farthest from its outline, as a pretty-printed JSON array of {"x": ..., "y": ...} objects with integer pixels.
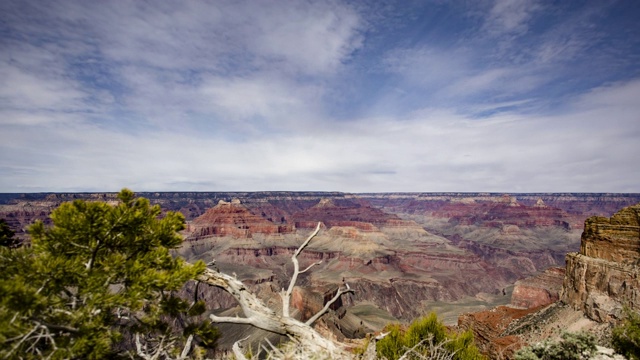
[
  {"x": 488, "y": 328},
  {"x": 598, "y": 281},
  {"x": 604, "y": 275},
  {"x": 493, "y": 328},
  {"x": 401, "y": 251},
  {"x": 361, "y": 216},
  {"x": 235, "y": 220},
  {"x": 540, "y": 290}
]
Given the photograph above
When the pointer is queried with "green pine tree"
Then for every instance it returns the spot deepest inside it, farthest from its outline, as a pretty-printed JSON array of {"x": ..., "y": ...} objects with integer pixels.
[
  {"x": 101, "y": 282},
  {"x": 7, "y": 236}
]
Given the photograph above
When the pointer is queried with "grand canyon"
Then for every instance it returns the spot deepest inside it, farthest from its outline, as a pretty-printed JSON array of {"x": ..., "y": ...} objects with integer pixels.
[{"x": 479, "y": 260}]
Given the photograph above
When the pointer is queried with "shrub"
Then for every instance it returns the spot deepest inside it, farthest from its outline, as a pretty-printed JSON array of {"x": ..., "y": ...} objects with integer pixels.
[
  {"x": 572, "y": 346},
  {"x": 425, "y": 338},
  {"x": 391, "y": 346},
  {"x": 626, "y": 338}
]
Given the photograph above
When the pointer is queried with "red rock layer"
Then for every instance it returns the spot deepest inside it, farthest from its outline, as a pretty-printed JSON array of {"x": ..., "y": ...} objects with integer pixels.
[
  {"x": 362, "y": 217},
  {"x": 540, "y": 290},
  {"x": 488, "y": 326},
  {"x": 507, "y": 211},
  {"x": 235, "y": 220}
]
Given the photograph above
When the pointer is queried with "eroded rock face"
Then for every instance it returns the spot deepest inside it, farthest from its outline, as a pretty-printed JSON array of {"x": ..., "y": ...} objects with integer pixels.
[
  {"x": 235, "y": 220},
  {"x": 540, "y": 290},
  {"x": 597, "y": 282},
  {"x": 491, "y": 328},
  {"x": 604, "y": 275},
  {"x": 401, "y": 251},
  {"x": 615, "y": 239},
  {"x": 358, "y": 215},
  {"x": 488, "y": 328}
]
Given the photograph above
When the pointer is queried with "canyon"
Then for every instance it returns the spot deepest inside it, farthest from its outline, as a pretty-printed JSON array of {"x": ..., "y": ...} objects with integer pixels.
[
  {"x": 404, "y": 254},
  {"x": 590, "y": 294}
]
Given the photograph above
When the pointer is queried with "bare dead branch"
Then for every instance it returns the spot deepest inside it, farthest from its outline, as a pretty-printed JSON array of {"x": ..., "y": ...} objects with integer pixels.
[
  {"x": 237, "y": 351},
  {"x": 186, "y": 348},
  {"x": 230, "y": 319},
  {"x": 56, "y": 327},
  {"x": 310, "y": 266},
  {"x": 286, "y": 297},
  {"x": 257, "y": 314},
  {"x": 24, "y": 338},
  {"x": 326, "y": 307},
  {"x": 139, "y": 349}
]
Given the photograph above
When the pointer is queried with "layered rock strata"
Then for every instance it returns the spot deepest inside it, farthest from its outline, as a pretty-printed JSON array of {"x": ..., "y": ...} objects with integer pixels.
[
  {"x": 232, "y": 219},
  {"x": 542, "y": 289},
  {"x": 598, "y": 281},
  {"x": 604, "y": 276},
  {"x": 488, "y": 327}
]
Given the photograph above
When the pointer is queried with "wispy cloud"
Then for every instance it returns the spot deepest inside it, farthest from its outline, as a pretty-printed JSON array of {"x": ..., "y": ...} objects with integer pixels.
[{"x": 510, "y": 17}]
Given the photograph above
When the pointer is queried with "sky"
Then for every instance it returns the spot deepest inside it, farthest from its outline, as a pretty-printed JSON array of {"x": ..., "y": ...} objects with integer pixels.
[{"x": 352, "y": 96}]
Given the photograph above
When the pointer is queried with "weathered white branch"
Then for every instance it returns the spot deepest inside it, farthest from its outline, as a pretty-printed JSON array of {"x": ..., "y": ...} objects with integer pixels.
[
  {"x": 24, "y": 338},
  {"x": 326, "y": 307},
  {"x": 230, "y": 319},
  {"x": 139, "y": 349},
  {"x": 310, "y": 266},
  {"x": 260, "y": 316},
  {"x": 186, "y": 348},
  {"x": 286, "y": 297},
  {"x": 237, "y": 351}
]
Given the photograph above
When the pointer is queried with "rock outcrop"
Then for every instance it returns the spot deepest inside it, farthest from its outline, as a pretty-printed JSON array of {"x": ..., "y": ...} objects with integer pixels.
[
  {"x": 598, "y": 281},
  {"x": 358, "y": 215},
  {"x": 540, "y": 290},
  {"x": 604, "y": 276},
  {"x": 492, "y": 328},
  {"x": 232, "y": 219},
  {"x": 488, "y": 328}
]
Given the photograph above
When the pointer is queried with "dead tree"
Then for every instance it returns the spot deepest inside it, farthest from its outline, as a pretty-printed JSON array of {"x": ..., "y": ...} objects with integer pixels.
[{"x": 260, "y": 316}]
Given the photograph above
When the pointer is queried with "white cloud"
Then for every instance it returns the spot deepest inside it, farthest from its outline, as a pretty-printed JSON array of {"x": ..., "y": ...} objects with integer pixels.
[
  {"x": 32, "y": 79},
  {"x": 314, "y": 37},
  {"x": 510, "y": 16},
  {"x": 308, "y": 37},
  {"x": 433, "y": 150}
]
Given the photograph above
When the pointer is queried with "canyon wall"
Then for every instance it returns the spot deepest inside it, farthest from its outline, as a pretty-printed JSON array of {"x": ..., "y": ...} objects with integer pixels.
[
  {"x": 604, "y": 276},
  {"x": 401, "y": 252},
  {"x": 597, "y": 283}
]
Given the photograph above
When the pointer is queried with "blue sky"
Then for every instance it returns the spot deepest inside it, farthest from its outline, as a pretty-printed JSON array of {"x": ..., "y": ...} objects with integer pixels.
[{"x": 355, "y": 96}]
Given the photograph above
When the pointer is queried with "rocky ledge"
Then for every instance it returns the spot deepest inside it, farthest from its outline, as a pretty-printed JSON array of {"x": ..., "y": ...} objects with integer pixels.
[{"x": 603, "y": 276}]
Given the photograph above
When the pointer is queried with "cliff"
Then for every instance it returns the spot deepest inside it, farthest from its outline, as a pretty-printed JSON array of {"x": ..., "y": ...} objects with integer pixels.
[
  {"x": 604, "y": 275},
  {"x": 493, "y": 328},
  {"x": 488, "y": 329},
  {"x": 598, "y": 281}
]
